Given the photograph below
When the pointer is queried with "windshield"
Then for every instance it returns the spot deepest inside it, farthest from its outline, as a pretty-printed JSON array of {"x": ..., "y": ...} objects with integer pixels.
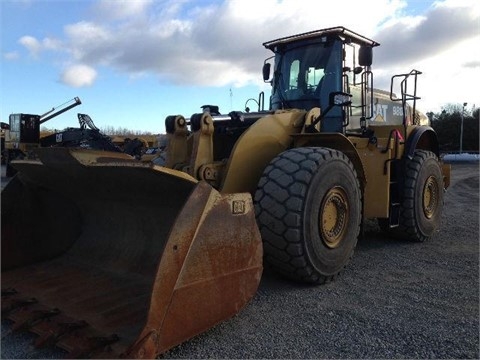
[{"x": 305, "y": 74}]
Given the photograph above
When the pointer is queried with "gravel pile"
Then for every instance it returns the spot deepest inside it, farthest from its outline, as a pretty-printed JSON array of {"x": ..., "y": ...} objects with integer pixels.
[{"x": 395, "y": 300}]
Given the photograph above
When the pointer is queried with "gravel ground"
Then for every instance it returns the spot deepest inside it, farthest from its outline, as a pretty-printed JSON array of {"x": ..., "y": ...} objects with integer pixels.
[{"x": 395, "y": 300}]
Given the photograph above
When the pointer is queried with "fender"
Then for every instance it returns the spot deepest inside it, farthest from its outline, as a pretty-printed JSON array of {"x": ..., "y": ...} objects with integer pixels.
[{"x": 421, "y": 137}]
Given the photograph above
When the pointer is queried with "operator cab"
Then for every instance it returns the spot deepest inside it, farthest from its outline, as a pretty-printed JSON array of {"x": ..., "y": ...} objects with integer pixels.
[
  {"x": 24, "y": 128},
  {"x": 309, "y": 68}
]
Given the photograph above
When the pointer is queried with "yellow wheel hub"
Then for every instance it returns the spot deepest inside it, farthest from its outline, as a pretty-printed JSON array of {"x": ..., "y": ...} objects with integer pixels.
[
  {"x": 333, "y": 217},
  {"x": 430, "y": 197}
]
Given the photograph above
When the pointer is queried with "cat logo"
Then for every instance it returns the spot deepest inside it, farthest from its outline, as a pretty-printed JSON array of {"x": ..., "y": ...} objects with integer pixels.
[{"x": 380, "y": 113}]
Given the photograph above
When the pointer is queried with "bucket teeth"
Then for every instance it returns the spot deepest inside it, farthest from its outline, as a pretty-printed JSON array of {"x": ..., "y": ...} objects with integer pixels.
[
  {"x": 53, "y": 328},
  {"x": 56, "y": 330},
  {"x": 8, "y": 292},
  {"x": 11, "y": 304},
  {"x": 88, "y": 347},
  {"x": 24, "y": 320}
]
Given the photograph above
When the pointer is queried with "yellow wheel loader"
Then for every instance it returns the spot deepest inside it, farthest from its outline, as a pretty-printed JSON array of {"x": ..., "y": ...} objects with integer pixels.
[{"x": 107, "y": 256}]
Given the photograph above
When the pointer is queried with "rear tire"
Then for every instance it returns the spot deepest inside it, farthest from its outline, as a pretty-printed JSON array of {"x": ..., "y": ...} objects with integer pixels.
[
  {"x": 422, "y": 204},
  {"x": 308, "y": 207}
]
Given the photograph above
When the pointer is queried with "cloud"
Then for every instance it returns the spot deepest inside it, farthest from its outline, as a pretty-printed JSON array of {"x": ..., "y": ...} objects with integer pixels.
[
  {"x": 51, "y": 44},
  {"x": 442, "y": 43},
  {"x": 218, "y": 43},
  {"x": 13, "y": 55},
  {"x": 90, "y": 42},
  {"x": 35, "y": 46},
  {"x": 204, "y": 44},
  {"x": 31, "y": 44},
  {"x": 79, "y": 76},
  {"x": 121, "y": 9},
  {"x": 472, "y": 64},
  {"x": 441, "y": 28}
]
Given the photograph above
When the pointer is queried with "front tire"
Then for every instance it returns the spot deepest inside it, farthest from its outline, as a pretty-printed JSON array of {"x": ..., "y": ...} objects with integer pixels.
[{"x": 308, "y": 207}]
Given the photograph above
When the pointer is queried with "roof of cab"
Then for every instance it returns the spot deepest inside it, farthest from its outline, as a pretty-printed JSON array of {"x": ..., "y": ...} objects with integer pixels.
[{"x": 344, "y": 33}]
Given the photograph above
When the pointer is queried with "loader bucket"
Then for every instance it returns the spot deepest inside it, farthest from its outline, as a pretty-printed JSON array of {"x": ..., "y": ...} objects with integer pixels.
[{"x": 108, "y": 257}]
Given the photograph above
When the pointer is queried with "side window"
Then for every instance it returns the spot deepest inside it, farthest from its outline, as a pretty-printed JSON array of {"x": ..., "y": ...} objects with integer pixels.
[
  {"x": 313, "y": 77},
  {"x": 350, "y": 82},
  {"x": 294, "y": 70},
  {"x": 15, "y": 124},
  {"x": 349, "y": 62}
]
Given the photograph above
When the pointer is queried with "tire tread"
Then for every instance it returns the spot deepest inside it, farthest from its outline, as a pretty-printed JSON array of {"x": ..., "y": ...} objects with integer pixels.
[{"x": 279, "y": 203}]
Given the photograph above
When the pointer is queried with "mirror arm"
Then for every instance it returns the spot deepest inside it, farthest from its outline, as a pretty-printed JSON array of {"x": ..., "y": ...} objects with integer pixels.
[{"x": 322, "y": 115}]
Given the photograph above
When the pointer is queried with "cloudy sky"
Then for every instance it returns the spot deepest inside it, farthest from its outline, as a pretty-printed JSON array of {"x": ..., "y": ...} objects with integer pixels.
[{"x": 133, "y": 62}]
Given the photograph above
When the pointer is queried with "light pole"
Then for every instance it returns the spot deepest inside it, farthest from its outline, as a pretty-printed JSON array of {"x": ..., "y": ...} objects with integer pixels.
[{"x": 461, "y": 128}]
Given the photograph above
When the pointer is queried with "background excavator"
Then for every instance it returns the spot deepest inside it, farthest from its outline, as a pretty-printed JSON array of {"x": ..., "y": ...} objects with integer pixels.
[
  {"x": 23, "y": 132},
  {"x": 22, "y": 136},
  {"x": 107, "y": 256}
]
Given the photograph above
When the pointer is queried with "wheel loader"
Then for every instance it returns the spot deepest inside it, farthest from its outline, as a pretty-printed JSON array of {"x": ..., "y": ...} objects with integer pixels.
[{"x": 106, "y": 256}]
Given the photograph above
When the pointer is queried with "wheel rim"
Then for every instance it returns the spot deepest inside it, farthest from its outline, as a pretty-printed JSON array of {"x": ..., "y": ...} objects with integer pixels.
[
  {"x": 430, "y": 197},
  {"x": 333, "y": 217}
]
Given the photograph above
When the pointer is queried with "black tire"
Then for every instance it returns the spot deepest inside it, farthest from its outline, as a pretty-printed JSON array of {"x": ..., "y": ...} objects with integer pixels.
[
  {"x": 297, "y": 189},
  {"x": 422, "y": 197}
]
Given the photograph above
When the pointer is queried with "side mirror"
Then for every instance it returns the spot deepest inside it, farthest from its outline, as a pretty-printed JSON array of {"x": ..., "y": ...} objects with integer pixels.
[
  {"x": 336, "y": 98},
  {"x": 365, "y": 56},
  {"x": 339, "y": 98},
  {"x": 266, "y": 71}
]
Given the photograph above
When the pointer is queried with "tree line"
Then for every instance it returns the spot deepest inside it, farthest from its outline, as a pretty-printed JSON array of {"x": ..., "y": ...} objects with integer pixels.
[
  {"x": 447, "y": 125},
  {"x": 110, "y": 131},
  {"x": 121, "y": 131}
]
